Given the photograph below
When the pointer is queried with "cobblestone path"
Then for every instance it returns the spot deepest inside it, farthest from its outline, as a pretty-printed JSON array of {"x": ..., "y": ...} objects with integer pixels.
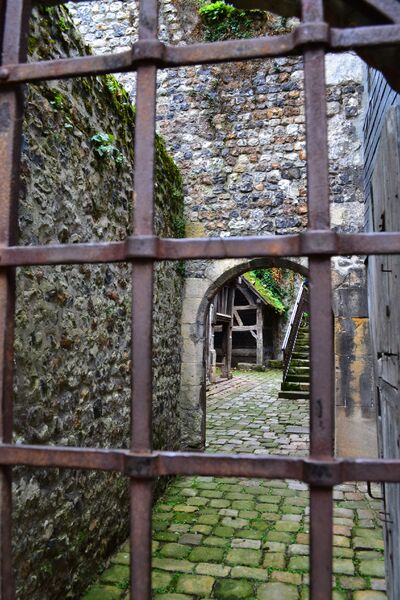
[{"x": 233, "y": 539}]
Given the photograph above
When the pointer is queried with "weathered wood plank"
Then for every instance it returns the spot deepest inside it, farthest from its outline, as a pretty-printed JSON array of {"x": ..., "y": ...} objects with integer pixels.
[{"x": 260, "y": 340}]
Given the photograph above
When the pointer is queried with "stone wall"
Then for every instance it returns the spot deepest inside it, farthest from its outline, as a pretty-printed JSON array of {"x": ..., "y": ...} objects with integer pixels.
[
  {"x": 72, "y": 348},
  {"x": 237, "y": 132}
]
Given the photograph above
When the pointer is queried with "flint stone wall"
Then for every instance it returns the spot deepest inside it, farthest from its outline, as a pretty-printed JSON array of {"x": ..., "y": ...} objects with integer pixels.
[
  {"x": 237, "y": 132},
  {"x": 72, "y": 348}
]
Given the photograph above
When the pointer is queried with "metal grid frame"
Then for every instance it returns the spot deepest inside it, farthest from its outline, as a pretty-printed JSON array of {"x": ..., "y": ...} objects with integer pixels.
[{"x": 321, "y": 470}]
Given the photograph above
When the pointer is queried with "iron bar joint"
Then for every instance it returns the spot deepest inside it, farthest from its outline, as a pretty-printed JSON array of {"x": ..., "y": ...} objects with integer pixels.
[
  {"x": 318, "y": 241},
  {"x": 152, "y": 51},
  {"x": 140, "y": 466},
  {"x": 142, "y": 246},
  {"x": 312, "y": 33},
  {"x": 322, "y": 474}
]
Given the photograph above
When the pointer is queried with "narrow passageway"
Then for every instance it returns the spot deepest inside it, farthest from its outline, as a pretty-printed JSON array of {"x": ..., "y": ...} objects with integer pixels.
[{"x": 234, "y": 538}]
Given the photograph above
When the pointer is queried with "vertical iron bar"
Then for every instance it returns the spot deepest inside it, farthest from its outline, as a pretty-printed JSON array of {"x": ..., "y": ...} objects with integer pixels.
[
  {"x": 15, "y": 15},
  {"x": 142, "y": 309},
  {"x": 321, "y": 322}
]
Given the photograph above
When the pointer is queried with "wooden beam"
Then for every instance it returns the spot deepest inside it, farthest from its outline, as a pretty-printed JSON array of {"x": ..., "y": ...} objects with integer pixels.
[
  {"x": 260, "y": 341},
  {"x": 237, "y": 317},
  {"x": 244, "y": 289},
  {"x": 227, "y": 324},
  {"x": 222, "y": 318},
  {"x": 246, "y": 307},
  {"x": 211, "y": 353}
]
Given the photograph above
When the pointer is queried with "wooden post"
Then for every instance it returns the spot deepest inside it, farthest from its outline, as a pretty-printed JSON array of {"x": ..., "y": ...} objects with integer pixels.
[
  {"x": 227, "y": 326},
  {"x": 230, "y": 304},
  {"x": 224, "y": 350},
  {"x": 260, "y": 341},
  {"x": 211, "y": 353}
]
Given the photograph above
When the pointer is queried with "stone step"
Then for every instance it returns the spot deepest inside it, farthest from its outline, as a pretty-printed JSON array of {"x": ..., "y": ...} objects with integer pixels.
[
  {"x": 299, "y": 362},
  {"x": 304, "y": 343},
  {"x": 295, "y": 386},
  {"x": 297, "y": 378},
  {"x": 294, "y": 395},
  {"x": 298, "y": 370},
  {"x": 303, "y": 355}
]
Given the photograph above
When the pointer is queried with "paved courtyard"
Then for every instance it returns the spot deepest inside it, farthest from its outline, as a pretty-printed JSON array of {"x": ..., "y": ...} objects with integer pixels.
[{"x": 230, "y": 538}]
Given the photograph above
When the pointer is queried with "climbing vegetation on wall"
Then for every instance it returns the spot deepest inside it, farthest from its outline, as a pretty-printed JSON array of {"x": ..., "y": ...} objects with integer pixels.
[
  {"x": 223, "y": 21},
  {"x": 274, "y": 285}
]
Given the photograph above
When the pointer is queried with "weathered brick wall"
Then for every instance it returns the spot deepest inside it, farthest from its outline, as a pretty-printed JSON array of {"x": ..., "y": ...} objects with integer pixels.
[{"x": 72, "y": 348}]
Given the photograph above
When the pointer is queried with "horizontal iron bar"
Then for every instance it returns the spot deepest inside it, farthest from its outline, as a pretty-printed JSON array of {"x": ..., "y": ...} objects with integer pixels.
[
  {"x": 360, "y": 37},
  {"x": 307, "y": 243},
  {"x": 315, "y": 472},
  {"x": 150, "y": 51},
  {"x": 166, "y": 56}
]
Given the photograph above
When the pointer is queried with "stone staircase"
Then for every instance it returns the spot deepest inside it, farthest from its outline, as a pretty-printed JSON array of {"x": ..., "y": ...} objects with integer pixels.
[{"x": 297, "y": 382}]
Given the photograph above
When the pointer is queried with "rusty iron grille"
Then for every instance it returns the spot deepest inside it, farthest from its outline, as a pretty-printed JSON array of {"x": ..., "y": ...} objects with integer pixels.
[{"x": 321, "y": 470}]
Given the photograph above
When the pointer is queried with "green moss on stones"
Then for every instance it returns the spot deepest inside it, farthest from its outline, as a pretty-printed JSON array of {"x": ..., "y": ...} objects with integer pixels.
[{"x": 222, "y": 21}]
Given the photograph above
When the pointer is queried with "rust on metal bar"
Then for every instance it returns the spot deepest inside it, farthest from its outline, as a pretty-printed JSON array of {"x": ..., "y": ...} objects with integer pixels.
[
  {"x": 15, "y": 14},
  {"x": 63, "y": 457},
  {"x": 145, "y": 51},
  {"x": 321, "y": 542},
  {"x": 362, "y": 37},
  {"x": 312, "y": 11},
  {"x": 64, "y": 254},
  {"x": 165, "y": 56},
  {"x": 321, "y": 321},
  {"x": 314, "y": 471},
  {"x": 142, "y": 305},
  {"x": 321, "y": 470},
  {"x": 307, "y": 243}
]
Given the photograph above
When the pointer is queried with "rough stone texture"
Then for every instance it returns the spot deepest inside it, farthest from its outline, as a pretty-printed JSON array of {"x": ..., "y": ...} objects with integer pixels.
[
  {"x": 245, "y": 415},
  {"x": 237, "y": 130},
  {"x": 237, "y": 133},
  {"x": 72, "y": 349}
]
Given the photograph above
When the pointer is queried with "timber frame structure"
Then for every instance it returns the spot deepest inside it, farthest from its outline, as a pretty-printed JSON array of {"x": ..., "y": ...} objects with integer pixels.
[
  {"x": 321, "y": 470},
  {"x": 226, "y": 317}
]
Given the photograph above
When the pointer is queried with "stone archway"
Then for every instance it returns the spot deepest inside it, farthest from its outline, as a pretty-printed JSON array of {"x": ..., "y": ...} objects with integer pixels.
[{"x": 197, "y": 297}]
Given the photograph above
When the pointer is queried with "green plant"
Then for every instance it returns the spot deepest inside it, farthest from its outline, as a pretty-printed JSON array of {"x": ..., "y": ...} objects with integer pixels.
[
  {"x": 58, "y": 101},
  {"x": 104, "y": 148},
  {"x": 112, "y": 84},
  {"x": 63, "y": 24},
  {"x": 216, "y": 11},
  {"x": 223, "y": 21}
]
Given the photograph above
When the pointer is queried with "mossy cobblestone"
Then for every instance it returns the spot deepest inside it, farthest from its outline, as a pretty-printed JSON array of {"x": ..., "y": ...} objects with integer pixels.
[{"x": 256, "y": 557}]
